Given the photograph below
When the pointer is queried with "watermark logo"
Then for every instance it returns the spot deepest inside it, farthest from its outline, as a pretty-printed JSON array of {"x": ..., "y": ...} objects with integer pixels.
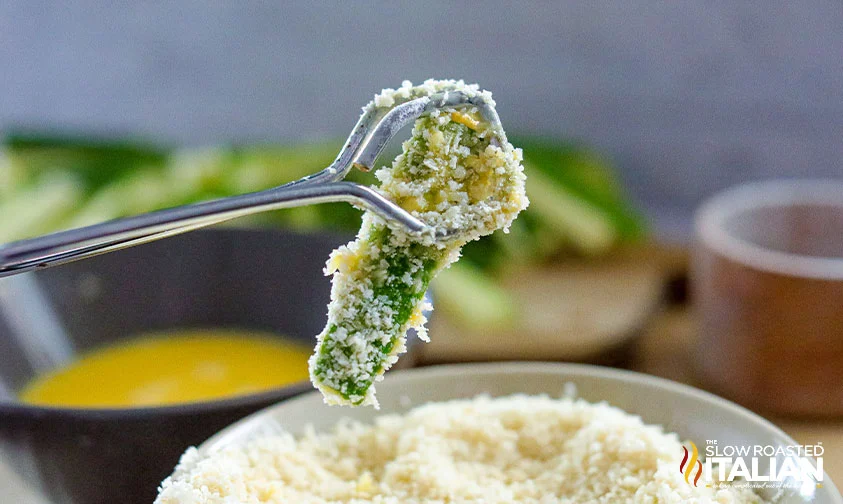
[
  {"x": 752, "y": 466},
  {"x": 686, "y": 467}
]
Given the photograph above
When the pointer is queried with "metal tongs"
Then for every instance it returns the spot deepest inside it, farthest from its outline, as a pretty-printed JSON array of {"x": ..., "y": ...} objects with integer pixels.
[{"x": 368, "y": 138}]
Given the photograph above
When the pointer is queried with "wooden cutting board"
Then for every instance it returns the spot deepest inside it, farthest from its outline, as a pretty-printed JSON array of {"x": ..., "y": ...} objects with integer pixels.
[{"x": 571, "y": 310}]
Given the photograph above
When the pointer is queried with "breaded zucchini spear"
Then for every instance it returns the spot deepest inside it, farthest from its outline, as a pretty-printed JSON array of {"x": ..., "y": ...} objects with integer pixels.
[{"x": 455, "y": 173}]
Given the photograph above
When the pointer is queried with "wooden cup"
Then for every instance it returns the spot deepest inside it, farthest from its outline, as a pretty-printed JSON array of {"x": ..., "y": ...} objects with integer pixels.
[{"x": 767, "y": 279}]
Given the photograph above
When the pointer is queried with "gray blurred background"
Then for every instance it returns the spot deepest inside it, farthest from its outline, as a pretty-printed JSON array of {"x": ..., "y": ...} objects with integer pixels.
[{"x": 685, "y": 96}]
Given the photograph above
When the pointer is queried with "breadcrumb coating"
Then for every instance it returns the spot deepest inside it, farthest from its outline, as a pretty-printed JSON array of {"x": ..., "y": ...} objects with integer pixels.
[{"x": 456, "y": 173}]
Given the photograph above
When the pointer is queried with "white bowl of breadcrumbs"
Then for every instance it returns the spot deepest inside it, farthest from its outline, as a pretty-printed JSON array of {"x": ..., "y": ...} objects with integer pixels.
[{"x": 484, "y": 433}]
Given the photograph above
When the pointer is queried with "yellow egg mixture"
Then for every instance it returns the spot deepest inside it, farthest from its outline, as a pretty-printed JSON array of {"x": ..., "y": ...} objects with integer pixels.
[{"x": 172, "y": 367}]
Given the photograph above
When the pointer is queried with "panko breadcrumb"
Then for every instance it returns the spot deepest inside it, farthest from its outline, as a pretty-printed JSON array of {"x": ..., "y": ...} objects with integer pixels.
[{"x": 516, "y": 449}]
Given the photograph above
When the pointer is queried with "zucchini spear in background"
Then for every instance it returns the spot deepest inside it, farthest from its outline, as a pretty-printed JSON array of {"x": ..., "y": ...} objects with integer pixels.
[{"x": 52, "y": 182}]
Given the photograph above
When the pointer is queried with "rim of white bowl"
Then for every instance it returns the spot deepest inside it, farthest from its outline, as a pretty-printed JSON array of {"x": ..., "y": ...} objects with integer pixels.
[
  {"x": 503, "y": 368},
  {"x": 712, "y": 214}
]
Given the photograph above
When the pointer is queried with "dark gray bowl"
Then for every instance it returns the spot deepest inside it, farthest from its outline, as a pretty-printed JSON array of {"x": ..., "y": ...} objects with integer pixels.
[{"x": 263, "y": 280}]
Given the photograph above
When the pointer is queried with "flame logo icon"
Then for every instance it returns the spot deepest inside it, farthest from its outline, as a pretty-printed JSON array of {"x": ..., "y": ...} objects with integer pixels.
[{"x": 686, "y": 467}]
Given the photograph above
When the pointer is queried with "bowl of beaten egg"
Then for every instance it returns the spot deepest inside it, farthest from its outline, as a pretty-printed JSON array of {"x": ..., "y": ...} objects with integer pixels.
[{"x": 111, "y": 367}]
